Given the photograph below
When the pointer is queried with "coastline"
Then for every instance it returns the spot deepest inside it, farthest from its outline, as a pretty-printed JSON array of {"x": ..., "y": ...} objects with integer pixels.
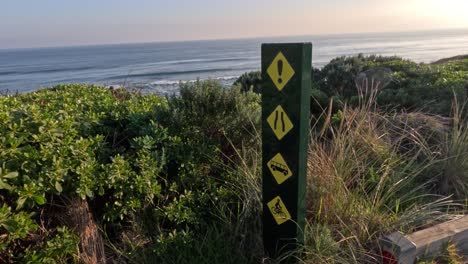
[{"x": 158, "y": 67}]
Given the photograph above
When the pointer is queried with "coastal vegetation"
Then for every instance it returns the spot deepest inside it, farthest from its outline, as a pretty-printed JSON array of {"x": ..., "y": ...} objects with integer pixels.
[
  {"x": 89, "y": 174},
  {"x": 402, "y": 84}
]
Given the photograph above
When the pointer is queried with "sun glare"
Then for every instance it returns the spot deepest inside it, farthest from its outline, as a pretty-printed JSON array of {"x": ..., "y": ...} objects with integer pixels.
[{"x": 451, "y": 11}]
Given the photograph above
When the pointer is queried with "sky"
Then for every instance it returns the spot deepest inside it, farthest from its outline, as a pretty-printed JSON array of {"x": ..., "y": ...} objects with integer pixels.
[{"x": 33, "y": 23}]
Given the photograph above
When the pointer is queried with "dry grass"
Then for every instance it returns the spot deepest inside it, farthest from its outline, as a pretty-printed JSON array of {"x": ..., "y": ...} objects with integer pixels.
[
  {"x": 454, "y": 179},
  {"x": 367, "y": 176},
  {"x": 369, "y": 173}
]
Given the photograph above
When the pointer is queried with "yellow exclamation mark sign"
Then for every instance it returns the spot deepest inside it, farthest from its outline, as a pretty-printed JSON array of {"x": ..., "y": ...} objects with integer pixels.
[{"x": 280, "y": 71}]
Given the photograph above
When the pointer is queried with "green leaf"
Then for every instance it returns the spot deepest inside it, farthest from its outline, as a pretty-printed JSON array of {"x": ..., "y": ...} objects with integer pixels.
[
  {"x": 5, "y": 186},
  {"x": 89, "y": 193},
  {"x": 40, "y": 200},
  {"x": 20, "y": 202},
  {"x": 58, "y": 187},
  {"x": 10, "y": 225},
  {"x": 11, "y": 175}
]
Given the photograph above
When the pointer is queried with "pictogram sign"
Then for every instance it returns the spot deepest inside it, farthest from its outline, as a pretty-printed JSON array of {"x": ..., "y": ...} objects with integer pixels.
[
  {"x": 279, "y": 168},
  {"x": 280, "y": 71},
  {"x": 278, "y": 210},
  {"x": 280, "y": 122}
]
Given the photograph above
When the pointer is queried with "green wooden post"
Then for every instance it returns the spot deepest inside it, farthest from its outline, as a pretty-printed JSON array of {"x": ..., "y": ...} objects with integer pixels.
[{"x": 286, "y": 75}]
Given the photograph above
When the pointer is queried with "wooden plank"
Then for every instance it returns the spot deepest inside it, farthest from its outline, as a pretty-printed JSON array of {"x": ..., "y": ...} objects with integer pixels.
[
  {"x": 401, "y": 249},
  {"x": 397, "y": 248},
  {"x": 432, "y": 239}
]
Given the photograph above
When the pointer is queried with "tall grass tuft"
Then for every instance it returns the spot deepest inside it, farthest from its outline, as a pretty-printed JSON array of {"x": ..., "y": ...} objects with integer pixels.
[
  {"x": 366, "y": 178},
  {"x": 454, "y": 178},
  {"x": 245, "y": 220}
]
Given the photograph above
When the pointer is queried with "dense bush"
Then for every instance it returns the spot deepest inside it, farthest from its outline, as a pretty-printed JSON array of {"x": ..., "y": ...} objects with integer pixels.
[
  {"x": 250, "y": 81},
  {"x": 137, "y": 160},
  {"x": 74, "y": 141},
  {"x": 402, "y": 84}
]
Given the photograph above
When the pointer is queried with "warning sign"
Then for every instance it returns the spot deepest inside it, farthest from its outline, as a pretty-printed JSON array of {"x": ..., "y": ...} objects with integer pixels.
[
  {"x": 278, "y": 210},
  {"x": 280, "y": 71},
  {"x": 286, "y": 82},
  {"x": 279, "y": 122},
  {"x": 279, "y": 168}
]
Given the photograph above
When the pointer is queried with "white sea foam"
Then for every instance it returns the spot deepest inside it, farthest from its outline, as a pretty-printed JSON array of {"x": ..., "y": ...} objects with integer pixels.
[
  {"x": 164, "y": 82},
  {"x": 176, "y": 82}
]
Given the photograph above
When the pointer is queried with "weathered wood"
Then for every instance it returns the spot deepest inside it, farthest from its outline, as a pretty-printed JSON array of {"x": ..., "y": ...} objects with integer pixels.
[
  {"x": 398, "y": 246},
  {"x": 430, "y": 241},
  {"x": 82, "y": 222},
  {"x": 433, "y": 239}
]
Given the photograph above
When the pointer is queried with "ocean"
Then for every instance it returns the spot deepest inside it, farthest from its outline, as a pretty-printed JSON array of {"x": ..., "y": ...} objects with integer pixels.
[{"x": 159, "y": 67}]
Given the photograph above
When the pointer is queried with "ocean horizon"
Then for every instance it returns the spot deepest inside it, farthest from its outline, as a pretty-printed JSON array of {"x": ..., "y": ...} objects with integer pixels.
[{"x": 159, "y": 67}]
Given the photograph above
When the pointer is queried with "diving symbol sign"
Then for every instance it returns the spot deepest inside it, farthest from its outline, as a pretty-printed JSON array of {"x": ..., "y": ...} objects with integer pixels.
[
  {"x": 279, "y": 169},
  {"x": 280, "y": 122},
  {"x": 280, "y": 71},
  {"x": 278, "y": 210}
]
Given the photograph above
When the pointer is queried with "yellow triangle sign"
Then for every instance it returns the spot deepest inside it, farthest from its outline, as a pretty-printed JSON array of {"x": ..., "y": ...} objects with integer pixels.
[
  {"x": 280, "y": 122},
  {"x": 278, "y": 210},
  {"x": 279, "y": 169},
  {"x": 280, "y": 71}
]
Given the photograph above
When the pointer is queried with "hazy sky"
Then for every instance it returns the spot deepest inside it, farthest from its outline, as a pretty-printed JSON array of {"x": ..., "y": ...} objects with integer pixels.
[{"x": 33, "y": 23}]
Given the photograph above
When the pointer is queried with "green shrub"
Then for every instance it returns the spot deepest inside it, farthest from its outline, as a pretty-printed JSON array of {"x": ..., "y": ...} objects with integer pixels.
[
  {"x": 81, "y": 141},
  {"x": 60, "y": 248},
  {"x": 250, "y": 81},
  {"x": 402, "y": 84},
  {"x": 210, "y": 122},
  {"x": 205, "y": 111},
  {"x": 141, "y": 161}
]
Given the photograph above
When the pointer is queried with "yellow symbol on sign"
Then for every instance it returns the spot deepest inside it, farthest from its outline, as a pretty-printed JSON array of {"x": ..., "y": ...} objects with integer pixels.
[
  {"x": 278, "y": 210},
  {"x": 280, "y": 71},
  {"x": 279, "y": 168},
  {"x": 279, "y": 122}
]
